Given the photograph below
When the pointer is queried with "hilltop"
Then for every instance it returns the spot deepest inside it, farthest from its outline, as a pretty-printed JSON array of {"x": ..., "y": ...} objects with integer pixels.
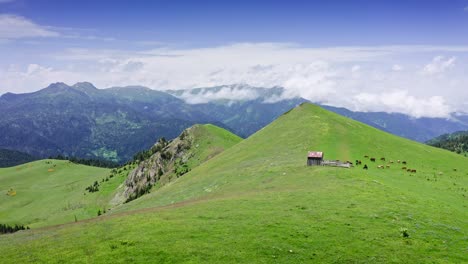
[
  {"x": 243, "y": 98},
  {"x": 169, "y": 160},
  {"x": 259, "y": 201}
]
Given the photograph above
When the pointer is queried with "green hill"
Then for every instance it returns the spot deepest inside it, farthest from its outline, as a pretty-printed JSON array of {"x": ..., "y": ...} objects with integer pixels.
[
  {"x": 258, "y": 202},
  {"x": 166, "y": 161},
  {"x": 47, "y": 192}
]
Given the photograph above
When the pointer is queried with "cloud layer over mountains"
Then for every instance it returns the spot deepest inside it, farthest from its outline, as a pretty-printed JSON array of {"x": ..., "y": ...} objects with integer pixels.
[{"x": 416, "y": 80}]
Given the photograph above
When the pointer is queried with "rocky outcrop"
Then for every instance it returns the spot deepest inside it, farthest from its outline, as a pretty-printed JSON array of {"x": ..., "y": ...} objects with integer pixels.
[{"x": 168, "y": 160}]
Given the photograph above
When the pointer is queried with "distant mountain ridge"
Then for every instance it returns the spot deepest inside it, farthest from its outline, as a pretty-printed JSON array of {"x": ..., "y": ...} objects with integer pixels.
[
  {"x": 243, "y": 108},
  {"x": 115, "y": 123},
  {"x": 87, "y": 122},
  {"x": 418, "y": 129}
]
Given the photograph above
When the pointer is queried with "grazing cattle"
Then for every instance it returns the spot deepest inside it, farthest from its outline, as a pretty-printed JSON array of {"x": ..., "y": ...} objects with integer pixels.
[
  {"x": 372, "y": 159},
  {"x": 404, "y": 168},
  {"x": 382, "y": 159},
  {"x": 391, "y": 161},
  {"x": 388, "y": 166},
  {"x": 413, "y": 171},
  {"x": 380, "y": 166},
  {"x": 365, "y": 166},
  {"x": 408, "y": 170},
  {"x": 454, "y": 169},
  {"x": 404, "y": 162},
  {"x": 398, "y": 161},
  {"x": 366, "y": 156}
]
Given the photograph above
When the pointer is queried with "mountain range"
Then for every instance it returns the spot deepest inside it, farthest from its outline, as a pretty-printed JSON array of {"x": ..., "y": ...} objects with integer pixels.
[{"x": 115, "y": 123}]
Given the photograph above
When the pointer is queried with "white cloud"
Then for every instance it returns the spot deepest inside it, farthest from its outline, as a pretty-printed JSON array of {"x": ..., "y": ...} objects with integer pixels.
[
  {"x": 235, "y": 92},
  {"x": 41, "y": 76},
  {"x": 465, "y": 9},
  {"x": 402, "y": 102},
  {"x": 352, "y": 77},
  {"x": 13, "y": 27},
  {"x": 397, "y": 67},
  {"x": 16, "y": 27},
  {"x": 439, "y": 65}
]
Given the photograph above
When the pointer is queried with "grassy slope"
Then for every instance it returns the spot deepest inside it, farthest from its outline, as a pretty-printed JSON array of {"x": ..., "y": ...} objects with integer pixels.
[
  {"x": 203, "y": 143},
  {"x": 209, "y": 141},
  {"x": 46, "y": 197},
  {"x": 258, "y": 202}
]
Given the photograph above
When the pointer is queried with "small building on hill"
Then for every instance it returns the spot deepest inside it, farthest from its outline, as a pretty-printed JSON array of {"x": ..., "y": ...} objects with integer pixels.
[{"x": 314, "y": 158}]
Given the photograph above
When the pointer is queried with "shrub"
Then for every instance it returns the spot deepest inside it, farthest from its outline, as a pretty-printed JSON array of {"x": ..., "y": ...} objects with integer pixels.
[
  {"x": 404, "y": 232},
  {"x": 6, "y": 229},
  {"x": 166, "y": 155},
  {"x": 94, "y": 187}
]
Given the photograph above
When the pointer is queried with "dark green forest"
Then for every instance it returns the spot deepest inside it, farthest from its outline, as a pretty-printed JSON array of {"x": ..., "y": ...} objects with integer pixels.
[
  {"x": 456, "y": 142},
  {"x": 9, "y": 158}
]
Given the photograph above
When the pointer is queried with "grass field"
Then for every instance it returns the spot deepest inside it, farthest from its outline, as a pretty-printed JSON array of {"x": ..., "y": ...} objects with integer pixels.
[
  {"x": 257, "y": 202},
  {"x": 209, "y": 141},
  {"x": 48, "y": 192}
]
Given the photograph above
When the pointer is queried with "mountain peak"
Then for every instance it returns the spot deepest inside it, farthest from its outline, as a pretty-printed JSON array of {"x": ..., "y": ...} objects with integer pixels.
[
  {"x": 57, "y": 87},
  {"x": 84, "y": 86}
]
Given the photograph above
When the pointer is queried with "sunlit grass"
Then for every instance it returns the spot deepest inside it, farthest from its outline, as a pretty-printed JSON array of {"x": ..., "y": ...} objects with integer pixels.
[{"x": 258, "y": 202}]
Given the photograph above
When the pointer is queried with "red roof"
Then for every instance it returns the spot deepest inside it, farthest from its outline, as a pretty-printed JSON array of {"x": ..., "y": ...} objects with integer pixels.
[{"x": 315, "y": 154}]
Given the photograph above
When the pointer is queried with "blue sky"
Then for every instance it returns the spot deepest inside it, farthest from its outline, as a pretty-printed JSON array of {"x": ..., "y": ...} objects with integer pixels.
[
  {"x": 314, "y": 23},
  {"x": 413, "y": 52}
]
